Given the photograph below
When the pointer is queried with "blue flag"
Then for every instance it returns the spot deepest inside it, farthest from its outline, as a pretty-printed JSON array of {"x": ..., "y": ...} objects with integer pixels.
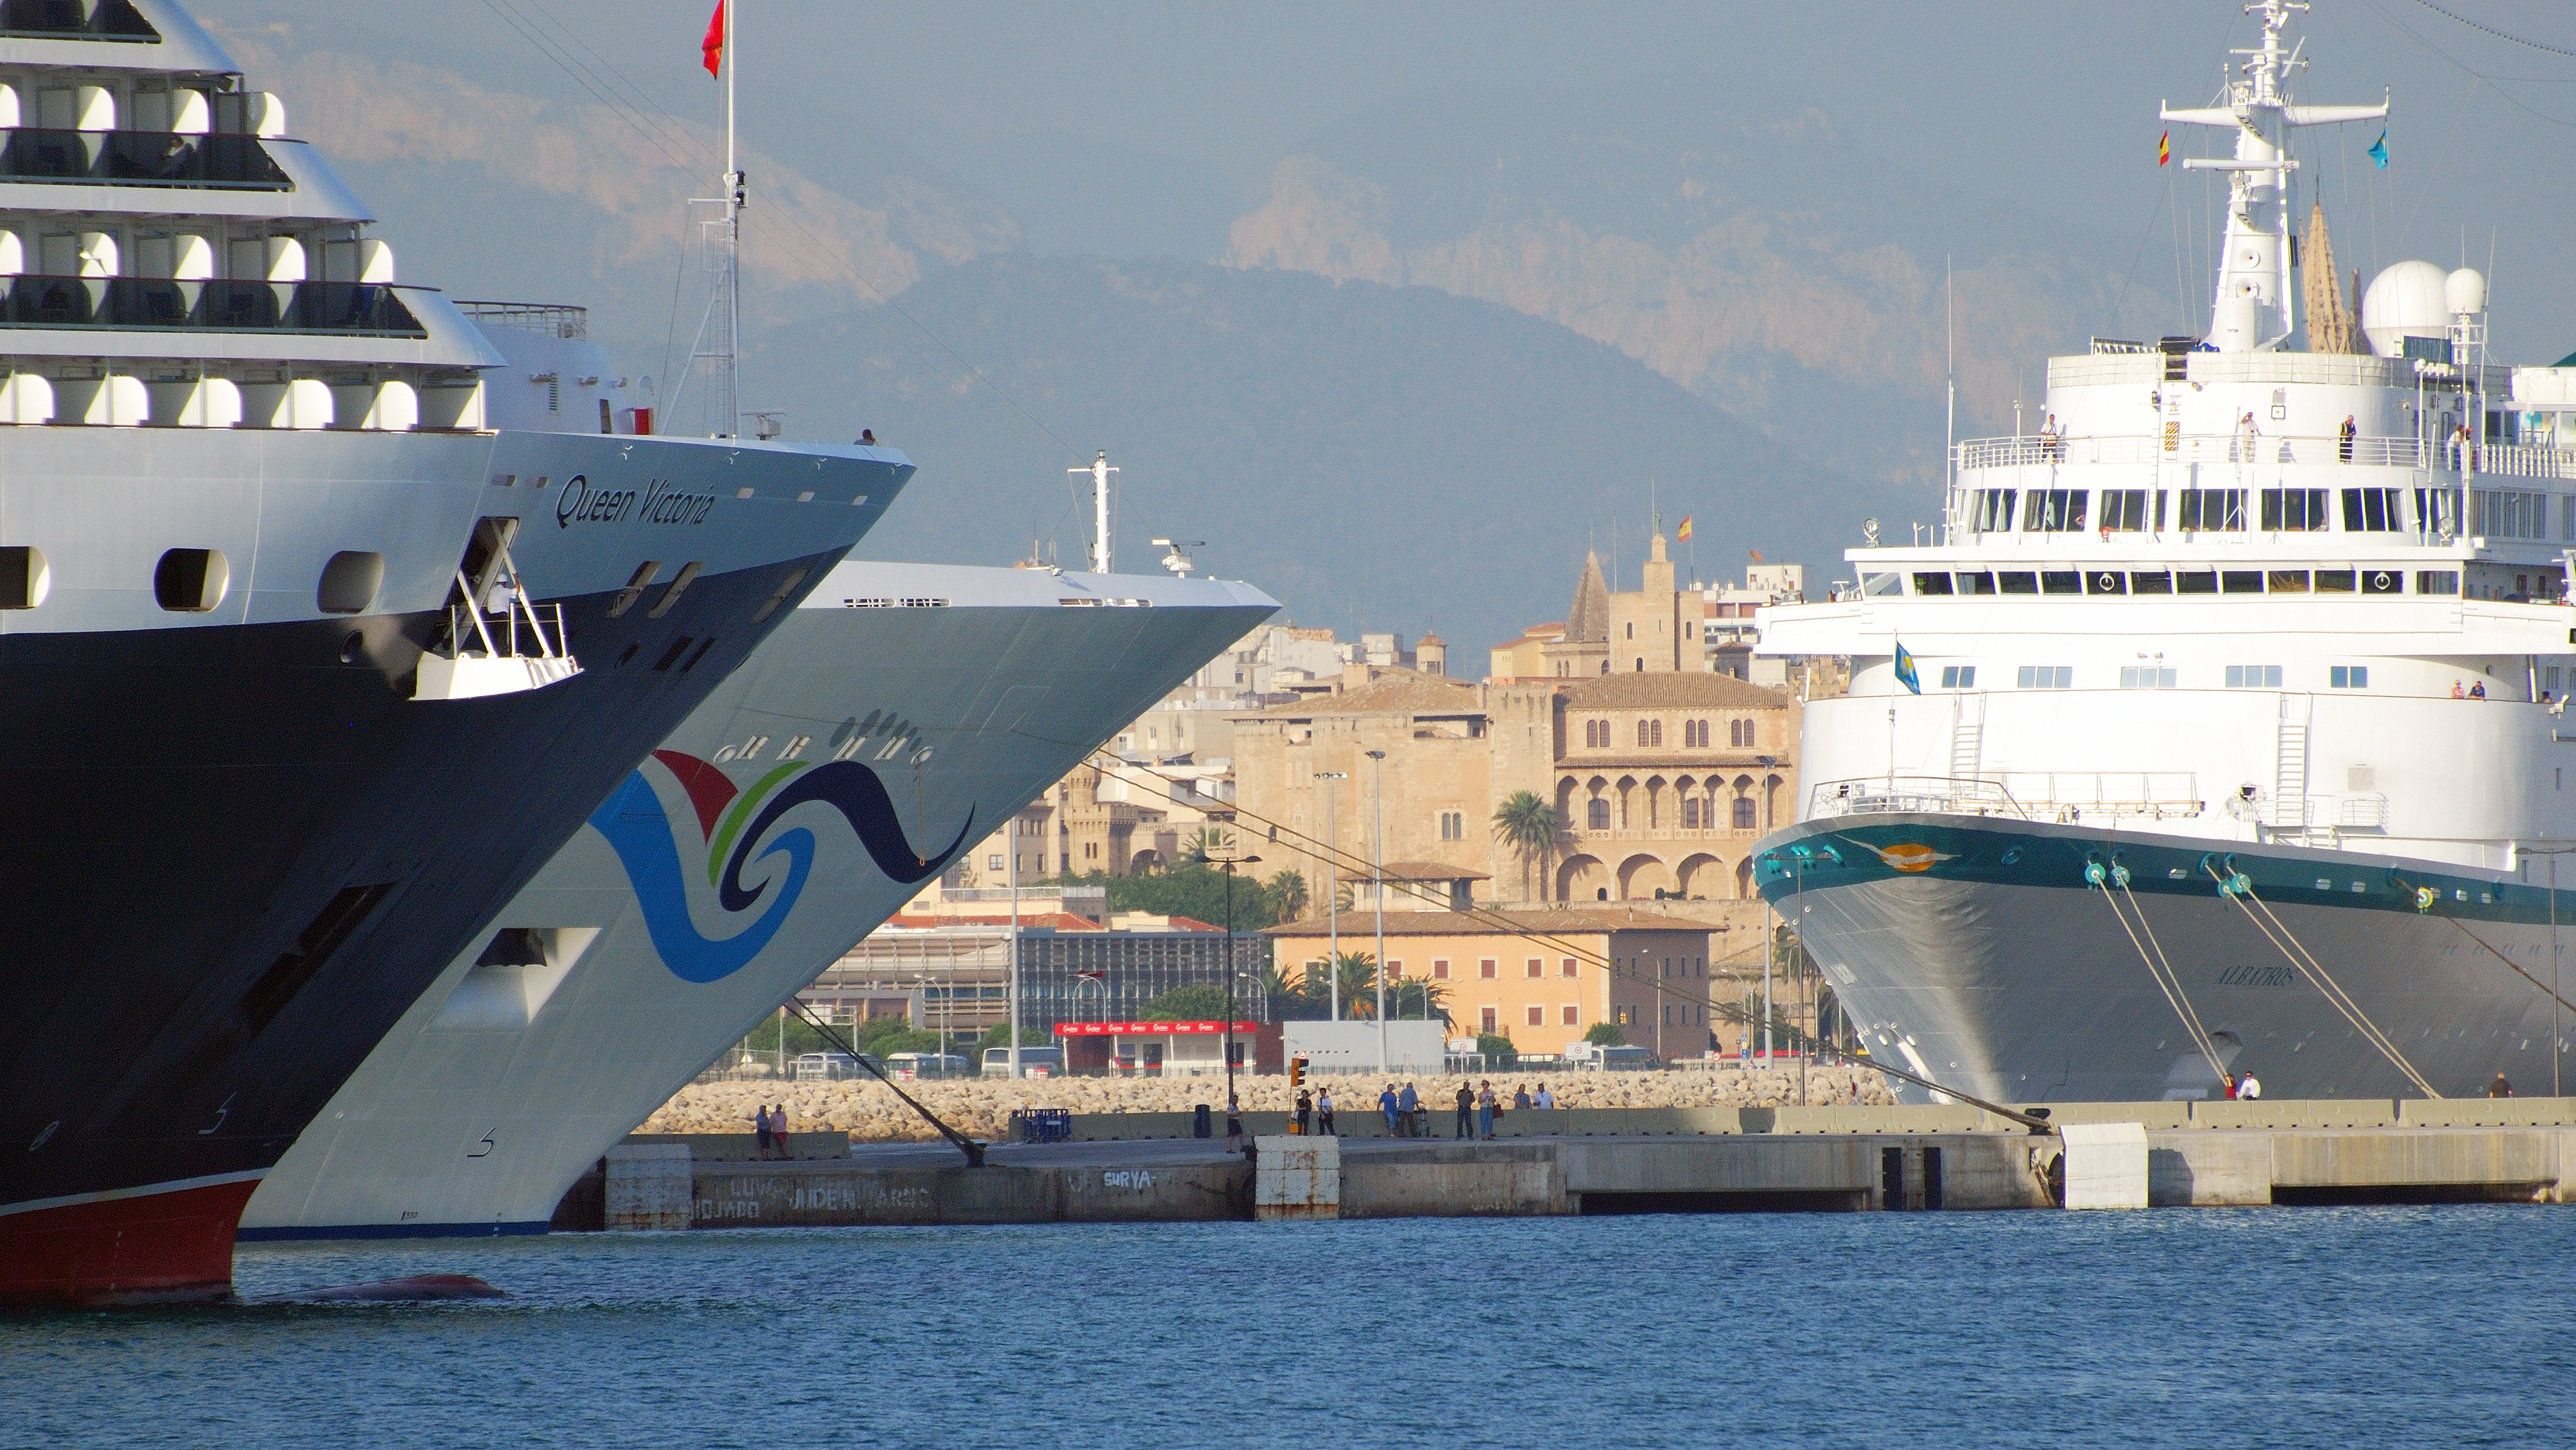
[
  {"x": 2379, "y": 152},
  {"x": 1905, "y": 671}
]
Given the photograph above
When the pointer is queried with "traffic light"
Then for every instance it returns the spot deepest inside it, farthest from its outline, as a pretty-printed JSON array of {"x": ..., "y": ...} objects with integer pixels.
[{"x": 1297, "y": 1071}]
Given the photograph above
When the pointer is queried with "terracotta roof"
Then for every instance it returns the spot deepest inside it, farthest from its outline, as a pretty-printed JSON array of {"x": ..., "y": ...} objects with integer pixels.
[
  {"x": 1394, "y": 692},
  {"x": 1428, "y": 871},
  {"x": 1684, "y": 691},
  {"x": 1431, "y": 639},
  {"x": 1559, "y": 922}
]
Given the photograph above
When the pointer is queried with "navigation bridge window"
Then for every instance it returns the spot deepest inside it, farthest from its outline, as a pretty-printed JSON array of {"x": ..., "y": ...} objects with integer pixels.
[
  {"x": 1991, "y": 510},
  {"x": 2509, "y": 515},
  {"x": 2212, "y": 510},
  {"x": 1958, "y": 677},
  {"x": 2373, "y": 510},
  {"x": 2125, "y": 509},
  {"x": 2253, "y": 677},
  {"x": 2054, "y": 511},
  {"x": 2147, "y": 677},
  {"x": 2045, "y": 677},
  {"x": 2294, "y": 510},
  {"x": 2348, "y": 677}
]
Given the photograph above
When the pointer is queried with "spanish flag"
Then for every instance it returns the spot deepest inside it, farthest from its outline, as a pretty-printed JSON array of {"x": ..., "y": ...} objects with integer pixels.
[
  {"x": 713, "y": 45},
  {"x": 2164, "y": 148},
  {"x": 1684, "y": 531}
]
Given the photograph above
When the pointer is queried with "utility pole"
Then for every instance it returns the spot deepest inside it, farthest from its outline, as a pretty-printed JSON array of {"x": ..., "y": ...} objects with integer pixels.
[
  {"x": 1377, "y": 788},
  {"x": 1228, "y": 864},
  {"x": 1014, "y": 834}
]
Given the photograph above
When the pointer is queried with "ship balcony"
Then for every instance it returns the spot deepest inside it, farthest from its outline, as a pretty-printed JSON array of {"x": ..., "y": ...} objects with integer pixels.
[
  {"x": 2508, "y": 460},
  {"x": 153, "y": 304},
  {"x": 141, "y": 158}
]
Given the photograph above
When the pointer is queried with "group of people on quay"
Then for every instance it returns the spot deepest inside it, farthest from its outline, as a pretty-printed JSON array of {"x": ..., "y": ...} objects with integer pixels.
[{"x": 1406, "y": 1110}]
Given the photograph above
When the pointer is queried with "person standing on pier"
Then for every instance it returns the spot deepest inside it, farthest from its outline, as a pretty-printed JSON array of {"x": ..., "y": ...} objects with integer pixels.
[
  {"x": 1407, "y": 1104},
  {"x": 1485, "y": 1111},
  {"x": 1233, "y": 1126},
  {"x": 1386, "y": 1108},
  {"x": 1324, "y": 1107},
  {"x": 2499, "y": 1088},
  {"x": 778, "y": 1131},
  {"x": 760, "y": 1127},
  {"x": 1305, "y": 1113},
  {"x": 1466, "y": 1107},
  {"x": 1545, "y": 1099},
  {"x": 2247, "y": 1088}
]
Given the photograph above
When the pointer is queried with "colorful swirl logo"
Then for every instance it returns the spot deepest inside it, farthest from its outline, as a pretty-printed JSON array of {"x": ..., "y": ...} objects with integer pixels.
[{"x": 735, "y": 829}]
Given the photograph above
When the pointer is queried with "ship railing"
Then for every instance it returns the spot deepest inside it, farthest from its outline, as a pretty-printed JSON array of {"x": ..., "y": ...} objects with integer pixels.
[
  {"x": 546, "y": 319},
  {"x": 2511, "y": 460},
  {"x": 154, "y": 304},
  {"x": 499, "y": 634},
  {"x": 2063, "y": 796},
  {"x": 226, "y": 161}
]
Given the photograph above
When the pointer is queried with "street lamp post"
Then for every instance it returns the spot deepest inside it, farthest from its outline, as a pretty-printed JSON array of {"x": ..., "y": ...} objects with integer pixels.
[
  {"x": 1377, "y": 868},
  {"x": 1332, "y": 898},
  {"x": 1227, "y": 864}
]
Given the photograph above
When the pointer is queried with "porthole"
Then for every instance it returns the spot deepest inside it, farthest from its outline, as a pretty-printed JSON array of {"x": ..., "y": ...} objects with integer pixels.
[
  {"x": 349, "y": 582},
  {"x": 24, "y": 577},
  {"x": 353, "y": 648},
  {"x": 191, "y": 581}
]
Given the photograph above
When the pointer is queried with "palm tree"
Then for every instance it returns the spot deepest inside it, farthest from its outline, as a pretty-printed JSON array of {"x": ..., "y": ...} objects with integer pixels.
[
  {"x": 1529, "y": 826},
  {"x": 1355, "y": 975},
  {"x": 1204, "y": 843}
]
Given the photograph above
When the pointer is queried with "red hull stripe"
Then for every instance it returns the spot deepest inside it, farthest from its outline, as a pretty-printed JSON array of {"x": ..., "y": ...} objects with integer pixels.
[{"x": 147, "y": 1248}]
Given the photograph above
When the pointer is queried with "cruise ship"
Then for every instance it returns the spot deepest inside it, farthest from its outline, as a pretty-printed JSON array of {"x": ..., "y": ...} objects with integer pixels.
[
  {"x": 905, "y": 713},
  {"x": 2218, "y": 727},
  {"x": 314, "y": 657}
]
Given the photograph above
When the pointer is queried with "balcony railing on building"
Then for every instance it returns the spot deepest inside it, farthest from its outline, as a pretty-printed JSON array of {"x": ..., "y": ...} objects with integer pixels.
[
  {"x": 141, "y": 158},
  {"x": 347, "y": 309}
]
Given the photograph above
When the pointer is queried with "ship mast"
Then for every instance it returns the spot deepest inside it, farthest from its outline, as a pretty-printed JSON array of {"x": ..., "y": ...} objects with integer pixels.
[
  {"x": 2256, "y": 304},
  {"x": 717, "y": 353}
]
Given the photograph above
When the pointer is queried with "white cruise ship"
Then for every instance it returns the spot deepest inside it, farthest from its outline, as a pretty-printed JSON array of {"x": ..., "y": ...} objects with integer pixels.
[
  {"x": 903, "y": 714},
  {"x": 2219, "y": 728},
  {"x": 318, "y": 635}
]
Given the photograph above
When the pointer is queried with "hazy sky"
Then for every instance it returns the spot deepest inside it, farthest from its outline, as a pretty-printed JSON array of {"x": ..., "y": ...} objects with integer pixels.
[{"x": 1144, "y": 128}]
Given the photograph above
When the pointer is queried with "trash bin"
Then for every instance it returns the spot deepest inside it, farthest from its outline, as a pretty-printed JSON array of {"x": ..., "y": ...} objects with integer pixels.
[{"x": 1199, "y": 1125}]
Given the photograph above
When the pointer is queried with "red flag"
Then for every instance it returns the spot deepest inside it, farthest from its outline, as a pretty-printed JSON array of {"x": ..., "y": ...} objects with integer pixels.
[
  {"x": 713, "y": 45},
  {"x": 2164, "y": 148}
]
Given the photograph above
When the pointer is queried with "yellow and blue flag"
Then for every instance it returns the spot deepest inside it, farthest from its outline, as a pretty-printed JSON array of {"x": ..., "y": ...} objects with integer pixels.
[
  {"x": 2378, "y": 152},
  {"x": 1905, "y": 671}
]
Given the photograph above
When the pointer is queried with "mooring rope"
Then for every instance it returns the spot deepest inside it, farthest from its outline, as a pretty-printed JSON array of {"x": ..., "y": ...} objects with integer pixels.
[
  {"x": 2302, "y": 959},
  {"x": 2172, "y": 989}
]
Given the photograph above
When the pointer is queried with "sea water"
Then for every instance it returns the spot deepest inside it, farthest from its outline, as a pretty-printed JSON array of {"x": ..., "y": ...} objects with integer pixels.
[{"x": 2329, "y": 1327}]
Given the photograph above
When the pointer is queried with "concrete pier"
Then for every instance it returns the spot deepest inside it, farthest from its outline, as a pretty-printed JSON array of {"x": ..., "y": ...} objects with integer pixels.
[{"x": 1608, "y": 1161}]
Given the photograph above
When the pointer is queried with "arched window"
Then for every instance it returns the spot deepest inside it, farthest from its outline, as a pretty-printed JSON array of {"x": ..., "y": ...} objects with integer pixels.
[
  {"x": 1641, "y": 664},
  {"x": 1690, "y": 813},
  {"x": 1744, "y": 813},
  {"x": 1597, "y": 814}
]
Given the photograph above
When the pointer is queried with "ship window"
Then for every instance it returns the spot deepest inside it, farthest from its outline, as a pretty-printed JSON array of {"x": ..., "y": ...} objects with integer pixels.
[
  {"x": 1931, "y": 583},
  {"x": 2045, "y": 677},
  {"x": 2146, "y": 677},
  {"x": 24, "y": 577},
  {"x": 2372, "y": 511},
  {"x": 2348, "y": 677},
  {"x": 2253, "y": 677},
  {"x": 2241, "y": 581},
  {"x": 2017, "y": 581},
  {"x": 2334, "y": 581},
  {"x": 2288, "y": 581},
  {"x": 1976, "y": 583},
  {"x": 2437, "y": 581},
  {"x": 2106, "y": 581},
  {"x": 2196, "y": 581},
  {"x": 1958, "y": 677},
  {"x": 2156, "y": 582},
  {"x": 2053, "y": 510},
  {"x": 192, "y": 581},
  {"x": 1875, "y": 585},
  {"x": 2293, "y": 510},
  {"x": 2213, "y": 510},
  {"x": 1993, "y": 509},
  {"x": 2383, "y": 581},
  {"x": 2061, "y": 581},
  {"x": 2437, "y": 510},
  {"x": 2124, "y": 509}
]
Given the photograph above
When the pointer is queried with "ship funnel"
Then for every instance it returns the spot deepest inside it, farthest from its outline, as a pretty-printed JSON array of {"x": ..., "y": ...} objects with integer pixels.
[{"x": 2407, "y": 300}]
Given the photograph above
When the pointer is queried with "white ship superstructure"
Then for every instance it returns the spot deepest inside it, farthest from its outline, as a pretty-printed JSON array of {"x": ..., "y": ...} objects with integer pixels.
[
  {"x": 314, "y": 647},
  {"x": 2228, "y": 732},
  {"x": 902, "y": 714}
]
